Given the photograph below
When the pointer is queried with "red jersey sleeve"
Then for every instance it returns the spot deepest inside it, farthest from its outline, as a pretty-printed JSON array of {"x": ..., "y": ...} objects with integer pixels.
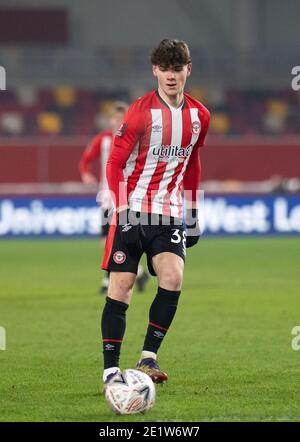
[
  {"x": 90, "y": 154},
  {"x": 125, "y": 139},
  {"x": 131, "y": 129},
  {"x": 205, "y": 119}
]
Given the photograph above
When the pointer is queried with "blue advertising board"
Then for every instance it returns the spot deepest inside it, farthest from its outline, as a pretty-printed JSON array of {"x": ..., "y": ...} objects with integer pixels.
[
  {"x": 69, "y": 216},
  {"x": 249, "y": 215}
]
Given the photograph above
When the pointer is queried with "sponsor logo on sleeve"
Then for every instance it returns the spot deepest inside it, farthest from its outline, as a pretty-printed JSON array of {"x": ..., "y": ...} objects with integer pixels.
[{"x": 121, "y": 131}]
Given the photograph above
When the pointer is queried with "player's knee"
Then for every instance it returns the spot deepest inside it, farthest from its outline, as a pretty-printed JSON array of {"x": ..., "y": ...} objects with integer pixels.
[
  {"x": 171, "y": 280},
  {"x": 120, "y": 293},
  {"x": 120, "y": 288}
]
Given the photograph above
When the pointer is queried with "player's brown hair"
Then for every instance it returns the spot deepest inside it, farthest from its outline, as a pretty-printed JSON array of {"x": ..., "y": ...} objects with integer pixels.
[{"x": 171, "y": 53}]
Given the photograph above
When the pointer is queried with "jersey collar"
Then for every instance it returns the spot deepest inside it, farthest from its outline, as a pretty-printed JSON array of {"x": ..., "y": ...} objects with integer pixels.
[{"x": 167, "y": 105}]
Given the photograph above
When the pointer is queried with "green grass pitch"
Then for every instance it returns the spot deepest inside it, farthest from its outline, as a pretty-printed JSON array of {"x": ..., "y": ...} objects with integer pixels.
[{"x": 228, "y": 352}]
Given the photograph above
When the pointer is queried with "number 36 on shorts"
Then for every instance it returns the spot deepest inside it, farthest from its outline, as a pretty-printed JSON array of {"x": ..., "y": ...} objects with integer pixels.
[{"x": 178, "y": 236}]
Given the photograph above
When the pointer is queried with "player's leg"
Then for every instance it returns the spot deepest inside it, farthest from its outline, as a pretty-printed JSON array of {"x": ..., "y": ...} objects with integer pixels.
[
  {"x": 113, "y": 321},
  {"x": 169, "y": 270},
  {"x": 141, "y": 278},
  {"x": 122, "y": 263}
]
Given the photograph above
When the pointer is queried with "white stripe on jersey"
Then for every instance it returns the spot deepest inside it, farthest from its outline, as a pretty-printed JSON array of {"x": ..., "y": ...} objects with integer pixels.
[
  {"x": 130, "y": 164},
  {"x": 105, "y": 149},
  {"x": 141, "y": 187},
  {"x": 173, "y": 198},
  {"x": 176, "y": 138}
]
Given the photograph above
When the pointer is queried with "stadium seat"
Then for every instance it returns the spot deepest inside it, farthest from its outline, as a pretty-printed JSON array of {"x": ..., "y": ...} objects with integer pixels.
[
  {"x": 49, "y": 122},
  {"x": 69, "y": 111},
  {"x": 11, "y": 123},
  {"x": 64, "y": 96},
  {"x": 220, "y": 123}
]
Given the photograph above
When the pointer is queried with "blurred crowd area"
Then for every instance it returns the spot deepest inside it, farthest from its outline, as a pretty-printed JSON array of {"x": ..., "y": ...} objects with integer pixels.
[{"x": 67, "y": 111}]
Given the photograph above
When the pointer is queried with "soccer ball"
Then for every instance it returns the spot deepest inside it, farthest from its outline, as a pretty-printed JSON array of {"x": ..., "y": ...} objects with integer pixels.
[{"x": 130, "y": 392}]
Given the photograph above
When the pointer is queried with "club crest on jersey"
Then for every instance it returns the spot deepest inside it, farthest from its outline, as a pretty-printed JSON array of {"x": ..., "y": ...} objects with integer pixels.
[
  {"x": 119, "y": 257},
  {"x": 121, "y": 131},
  {"x": 196, "y": 127}
]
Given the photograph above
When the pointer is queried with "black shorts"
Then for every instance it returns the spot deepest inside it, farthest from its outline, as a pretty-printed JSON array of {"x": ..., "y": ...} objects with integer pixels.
[{"x": 155, "y": 239}]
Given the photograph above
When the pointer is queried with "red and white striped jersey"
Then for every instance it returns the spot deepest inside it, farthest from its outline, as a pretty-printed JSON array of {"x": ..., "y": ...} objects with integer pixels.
[
  {"x": 97, "y": 150},
  {"x": 162, "y": 140}
]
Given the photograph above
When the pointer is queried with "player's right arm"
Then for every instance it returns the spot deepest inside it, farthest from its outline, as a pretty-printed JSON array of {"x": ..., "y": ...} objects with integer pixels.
[
  {"x": 125, "y": 139},
  {"x": 90, "y": 154}
]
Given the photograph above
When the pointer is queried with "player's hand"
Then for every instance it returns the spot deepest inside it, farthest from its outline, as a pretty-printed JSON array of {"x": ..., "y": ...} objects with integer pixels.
[
  {"x": 193, "y": 231},
  {"x": 89, "y": 178},
  {"x": 128, "y": 224}
]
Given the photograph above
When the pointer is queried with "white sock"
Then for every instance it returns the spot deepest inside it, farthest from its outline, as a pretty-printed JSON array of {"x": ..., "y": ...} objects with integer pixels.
[
  {"x": 105, "y": 282},
  {"x": 148, "y": 354},
  {"x": 109, "y": 371},
  {"x": 140, "y": 271}
]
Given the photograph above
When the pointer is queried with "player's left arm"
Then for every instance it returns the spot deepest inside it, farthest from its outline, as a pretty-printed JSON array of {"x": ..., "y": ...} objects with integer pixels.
[{"x": 191, "y": 185}]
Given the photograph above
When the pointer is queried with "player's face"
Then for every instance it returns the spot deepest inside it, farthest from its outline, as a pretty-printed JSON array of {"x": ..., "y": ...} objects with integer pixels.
[
  {"x": 172, "y": 79},
  {"x": 116, "y": 120}
]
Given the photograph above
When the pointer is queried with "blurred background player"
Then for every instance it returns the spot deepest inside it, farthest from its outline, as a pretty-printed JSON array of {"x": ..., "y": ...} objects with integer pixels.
[{"x": 98, "y": 150}]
